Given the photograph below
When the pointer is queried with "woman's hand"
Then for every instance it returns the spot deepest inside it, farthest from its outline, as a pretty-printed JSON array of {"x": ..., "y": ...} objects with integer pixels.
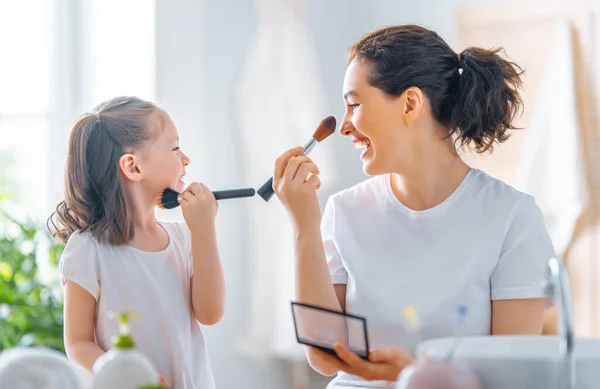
[
  {"x": 384, "y": 364},
  {"x": 296, "y": 190},
  {"x": 199, "y": 206}
]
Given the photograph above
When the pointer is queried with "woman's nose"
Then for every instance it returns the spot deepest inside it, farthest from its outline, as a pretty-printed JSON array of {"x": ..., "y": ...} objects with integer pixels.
[{"x": 346, "y": 128}]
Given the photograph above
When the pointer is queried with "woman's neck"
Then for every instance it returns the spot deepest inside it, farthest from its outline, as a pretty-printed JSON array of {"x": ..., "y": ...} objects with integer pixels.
[{"x": 434, "y": 174}]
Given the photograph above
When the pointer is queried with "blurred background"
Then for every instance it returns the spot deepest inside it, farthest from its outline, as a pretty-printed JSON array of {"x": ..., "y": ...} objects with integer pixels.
[{"x": 244, "y": 80}]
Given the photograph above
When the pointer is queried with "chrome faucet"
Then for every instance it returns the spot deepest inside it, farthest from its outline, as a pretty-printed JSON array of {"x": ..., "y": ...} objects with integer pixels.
[{"x": 558, "y": 287}]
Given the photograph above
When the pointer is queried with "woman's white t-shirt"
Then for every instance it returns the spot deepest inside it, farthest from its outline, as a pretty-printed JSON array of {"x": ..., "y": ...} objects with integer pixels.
[
  {"x": 156, "y": 285},
  {"x": 486, "y": 241}
]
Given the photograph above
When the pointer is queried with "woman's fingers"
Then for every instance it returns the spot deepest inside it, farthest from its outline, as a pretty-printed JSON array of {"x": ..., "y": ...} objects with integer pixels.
[
  {"x": 282, "y": 161},
  {"x": 314, "y": 182},
  {"x": 303, "y": 171},
  {"x": 292, "y": 167}
]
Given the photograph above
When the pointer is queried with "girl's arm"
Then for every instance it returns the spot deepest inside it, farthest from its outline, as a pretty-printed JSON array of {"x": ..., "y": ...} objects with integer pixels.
[
  {"x": 208, "y": 281},
  {"x": 207, "y": 286},
  {"x": 79, "y": 311}
]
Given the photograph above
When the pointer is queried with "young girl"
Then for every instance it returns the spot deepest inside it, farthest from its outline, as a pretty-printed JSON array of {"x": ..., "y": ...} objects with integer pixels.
[{"x": 118, "y": 257}]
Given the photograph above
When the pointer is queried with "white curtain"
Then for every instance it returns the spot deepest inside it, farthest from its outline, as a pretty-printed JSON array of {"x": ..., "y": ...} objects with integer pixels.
[
  {"x": 552, "y": 167},
  {"x": 280, "y": 106}
]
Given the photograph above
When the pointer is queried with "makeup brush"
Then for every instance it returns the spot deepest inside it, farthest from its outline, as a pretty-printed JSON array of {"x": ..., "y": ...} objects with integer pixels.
[
  {"x": 325, "y": 128},
  {"x": 170, "y": 199}
]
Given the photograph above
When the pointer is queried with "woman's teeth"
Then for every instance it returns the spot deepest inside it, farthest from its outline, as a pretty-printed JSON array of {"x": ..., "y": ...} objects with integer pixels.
[{"x": 363, "y": 144}]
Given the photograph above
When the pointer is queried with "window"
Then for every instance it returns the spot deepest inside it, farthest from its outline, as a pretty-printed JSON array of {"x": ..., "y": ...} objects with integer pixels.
[
  {"x": 26, "y": 50},
  {"x": 59, "y": 59}
]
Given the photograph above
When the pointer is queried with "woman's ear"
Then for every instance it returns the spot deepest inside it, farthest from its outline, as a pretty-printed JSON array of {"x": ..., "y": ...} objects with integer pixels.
[
  {"x": 412, "y": 104},
  {"x": 129, "y": 166}
]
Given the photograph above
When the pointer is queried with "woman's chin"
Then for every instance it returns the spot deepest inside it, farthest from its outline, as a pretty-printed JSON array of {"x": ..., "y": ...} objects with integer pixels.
[{"x": 370, "y": 168}]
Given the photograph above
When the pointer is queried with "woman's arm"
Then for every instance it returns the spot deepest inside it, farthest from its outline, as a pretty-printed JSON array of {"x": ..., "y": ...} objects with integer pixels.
[
  {"x": 518, "y": 316},
  {"x": 297, "y": 192},
  {"x": 313, "y": 286},
  {"x": 79, "y": 311},
  {"x": 517, "y": 294},
  {"x": 313, "y": 281},
  {"x": 327, "y": 364}
]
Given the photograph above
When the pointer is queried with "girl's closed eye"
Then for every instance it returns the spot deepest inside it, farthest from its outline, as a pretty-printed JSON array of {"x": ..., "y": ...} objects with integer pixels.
[{"x": 177, "y": 148}]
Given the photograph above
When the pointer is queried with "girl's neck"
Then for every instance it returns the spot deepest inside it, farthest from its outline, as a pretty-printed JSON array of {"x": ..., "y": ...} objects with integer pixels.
[
  {"x": 144, "y": 218},
  {"x": 148, "y": 234}
]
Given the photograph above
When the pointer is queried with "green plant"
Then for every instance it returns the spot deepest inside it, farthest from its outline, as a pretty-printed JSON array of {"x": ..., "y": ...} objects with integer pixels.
[
  {"x": 8, "y": 187},
  {"x": 30, "y": 310}
]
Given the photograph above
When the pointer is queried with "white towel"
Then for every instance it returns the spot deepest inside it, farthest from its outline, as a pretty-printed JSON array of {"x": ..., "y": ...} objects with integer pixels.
[
  {"x": 279, "y": 108},
  {"x": 552, "y": 166},
  {"x": 35, "y": 368}
]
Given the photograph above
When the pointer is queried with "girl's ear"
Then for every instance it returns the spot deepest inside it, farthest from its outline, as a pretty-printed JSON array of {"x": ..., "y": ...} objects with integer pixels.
[{"x": 129, "y": 166}]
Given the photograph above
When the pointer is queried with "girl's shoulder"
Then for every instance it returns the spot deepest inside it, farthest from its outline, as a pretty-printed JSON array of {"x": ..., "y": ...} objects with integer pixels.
[
  {"x": 79, "y": 262},
  {"x": 178, "y": 231},
  {"x": 80, "y": 240}
]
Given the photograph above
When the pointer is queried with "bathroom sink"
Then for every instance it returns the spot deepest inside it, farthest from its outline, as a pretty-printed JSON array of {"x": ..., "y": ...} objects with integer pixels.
[
  {"x": 515, "y": 362},
  {"x": 528, "y": 362}
]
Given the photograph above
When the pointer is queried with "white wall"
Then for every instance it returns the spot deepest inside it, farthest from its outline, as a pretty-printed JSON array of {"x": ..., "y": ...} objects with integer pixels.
[{"x": 201, "y": 47}]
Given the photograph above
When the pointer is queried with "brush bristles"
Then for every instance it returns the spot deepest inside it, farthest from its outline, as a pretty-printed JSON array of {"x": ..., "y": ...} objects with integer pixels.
[
  {"x": 168, "y": 199},
  {"x": 326, "y": 128}
]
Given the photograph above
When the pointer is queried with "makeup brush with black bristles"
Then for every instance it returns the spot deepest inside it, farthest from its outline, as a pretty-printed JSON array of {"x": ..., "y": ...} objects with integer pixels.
[
  {"x": 170, "y": 198},
  {"x": 325, "y": 128}
]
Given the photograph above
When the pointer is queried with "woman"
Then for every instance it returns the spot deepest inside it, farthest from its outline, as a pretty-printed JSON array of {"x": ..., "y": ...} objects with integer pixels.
[{"x": 427, "y": 230}]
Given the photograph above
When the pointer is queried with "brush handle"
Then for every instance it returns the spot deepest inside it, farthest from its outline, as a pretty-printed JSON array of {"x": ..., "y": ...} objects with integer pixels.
[
  {"x": 234, "y": 193},
  {"x": 266, "y": 190},
  {"x": 229, "y": 194}
]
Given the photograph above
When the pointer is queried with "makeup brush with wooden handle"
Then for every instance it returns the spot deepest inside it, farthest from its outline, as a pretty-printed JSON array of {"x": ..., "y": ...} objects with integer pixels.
[{"x": 325, "y": 128}]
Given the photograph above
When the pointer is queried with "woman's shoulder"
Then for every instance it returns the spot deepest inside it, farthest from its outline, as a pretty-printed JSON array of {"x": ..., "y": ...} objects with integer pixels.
[{"x": 501, "y": 195}]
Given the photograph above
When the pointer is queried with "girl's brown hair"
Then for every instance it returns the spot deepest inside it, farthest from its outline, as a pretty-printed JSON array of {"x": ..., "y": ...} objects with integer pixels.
[
  {"x": 475, "y": 93},
  {"x": 94, "y": 199}
]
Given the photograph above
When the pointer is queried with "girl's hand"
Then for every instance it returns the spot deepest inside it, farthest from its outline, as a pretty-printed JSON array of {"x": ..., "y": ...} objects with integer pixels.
[
  {"x": 296, "y": 190},
  {"x": 199, "y": 206},
  {"x": 162, "y": 381}
]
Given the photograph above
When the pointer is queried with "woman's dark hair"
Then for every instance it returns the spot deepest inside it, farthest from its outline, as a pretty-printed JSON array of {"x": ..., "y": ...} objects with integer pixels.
[
  {"x": 475, "y": 93},
  {"x": 94, "y": 199}
]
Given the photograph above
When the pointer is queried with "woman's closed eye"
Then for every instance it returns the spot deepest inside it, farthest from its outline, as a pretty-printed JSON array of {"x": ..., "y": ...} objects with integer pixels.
[{"x": 177, "y": 148}]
